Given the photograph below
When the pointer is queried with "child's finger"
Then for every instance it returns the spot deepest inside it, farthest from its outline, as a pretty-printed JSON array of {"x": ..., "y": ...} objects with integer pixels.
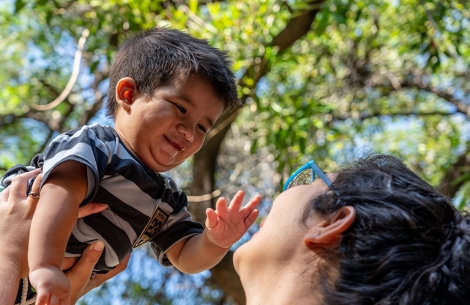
[
  {"x": 237, "y": 201},
  {"x": 221, "y": 205},
  {"x": 211, "y": 218},
  {"x": 42, "y": 298},
  {"x": 64, "y": 302},
  {"x": 251, "y": 218},
  {"x": 54, "y": 300},
  {"x": 250, "y": 206}
]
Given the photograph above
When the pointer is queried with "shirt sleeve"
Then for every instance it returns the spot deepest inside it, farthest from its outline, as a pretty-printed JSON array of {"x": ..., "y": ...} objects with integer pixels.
[
  {"x": 89, "y": 145},
  {"x": 179, "y": 225}
]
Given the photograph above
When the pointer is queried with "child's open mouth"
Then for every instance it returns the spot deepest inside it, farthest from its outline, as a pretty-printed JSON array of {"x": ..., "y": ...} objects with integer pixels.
[{"x": 176, "y": 145}]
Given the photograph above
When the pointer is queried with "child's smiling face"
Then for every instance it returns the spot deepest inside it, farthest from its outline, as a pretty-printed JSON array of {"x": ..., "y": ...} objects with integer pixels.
[{"x": 167, "y": 128}]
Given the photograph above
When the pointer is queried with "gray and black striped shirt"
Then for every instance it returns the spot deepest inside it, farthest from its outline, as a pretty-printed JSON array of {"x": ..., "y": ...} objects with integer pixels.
[{"x": 131, "y": 189}]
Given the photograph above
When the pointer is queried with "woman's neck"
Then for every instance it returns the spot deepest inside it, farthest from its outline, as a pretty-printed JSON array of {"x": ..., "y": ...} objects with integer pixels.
[{"x": 287, "y": 286}]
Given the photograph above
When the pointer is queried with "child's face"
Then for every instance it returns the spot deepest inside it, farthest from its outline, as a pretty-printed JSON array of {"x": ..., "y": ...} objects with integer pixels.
[{"x": 167, "y": 128}]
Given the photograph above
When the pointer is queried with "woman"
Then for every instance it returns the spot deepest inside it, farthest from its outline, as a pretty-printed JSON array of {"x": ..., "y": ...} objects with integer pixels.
[
  {"x": 377, "y": 235},
  {"x": 16, "y": 211}
]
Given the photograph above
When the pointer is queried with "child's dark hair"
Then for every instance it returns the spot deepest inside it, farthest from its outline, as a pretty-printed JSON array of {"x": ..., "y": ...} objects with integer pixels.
[
  {"x": 408, "y": 244},
  {"x": 160, "y": 55}
]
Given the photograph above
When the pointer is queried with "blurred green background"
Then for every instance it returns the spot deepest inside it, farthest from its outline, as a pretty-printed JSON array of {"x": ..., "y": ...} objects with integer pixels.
[{"x": 328, "y": 80}]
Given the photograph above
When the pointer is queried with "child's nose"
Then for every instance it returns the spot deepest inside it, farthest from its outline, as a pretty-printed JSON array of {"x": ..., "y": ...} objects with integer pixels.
[{"x": 187, "y": 130}]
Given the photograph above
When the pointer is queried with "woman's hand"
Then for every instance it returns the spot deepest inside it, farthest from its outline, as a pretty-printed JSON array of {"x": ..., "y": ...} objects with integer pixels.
[
  {"x": 91, "y": 208},
  {"x": 79, "y": 274},
  {"x": 16, "y": 212}
]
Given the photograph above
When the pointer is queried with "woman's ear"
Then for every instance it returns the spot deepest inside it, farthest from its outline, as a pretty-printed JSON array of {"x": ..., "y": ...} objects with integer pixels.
[
  {"x": 329, "y": 233},
  {"x": 126, "y": 90}
]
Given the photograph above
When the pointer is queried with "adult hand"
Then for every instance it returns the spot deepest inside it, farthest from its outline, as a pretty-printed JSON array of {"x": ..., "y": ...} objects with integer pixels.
[
  {"x": 16, "y": 212},
  {"x": 79, "y": 274},
  {"x": 91, "y": 208}
]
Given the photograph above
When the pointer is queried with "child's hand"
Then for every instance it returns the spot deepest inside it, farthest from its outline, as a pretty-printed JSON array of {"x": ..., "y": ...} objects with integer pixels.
[
  {"x": 52, "y": 286},
  {"x": 226, "y": 225}
]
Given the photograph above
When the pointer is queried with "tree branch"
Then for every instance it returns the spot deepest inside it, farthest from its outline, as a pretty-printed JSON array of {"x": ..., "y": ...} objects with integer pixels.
[
  {"x": 364, "y": 115},
  {"x": 449, "y": 184},
  {"x": 417, "y": 82},
  {"x": 205, "y": 160},
  {"x": 296, "y": 28},
  {"x": 73, "y": 77}
]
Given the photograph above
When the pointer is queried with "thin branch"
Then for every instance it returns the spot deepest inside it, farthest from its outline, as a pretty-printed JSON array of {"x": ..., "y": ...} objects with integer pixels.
[
  {"x": 431, "y": 19},
  {"x": 416, "y": 81},
  {"x": 197, "y": 20},
  {"x": 99, "y": 97},
  {"x": 205, "y": 197},
  {"x": 57, "y": 125},
  {"x": 365, "y": 116},
  {"x": 73, "y": 77},
  {"x": 44, "y": 145},
  {"x": 438, "y": 35},
  {"x": 419, "y": 84},
  {"x": 296, "y": 28},
  {"x": 221, "y": 126}
]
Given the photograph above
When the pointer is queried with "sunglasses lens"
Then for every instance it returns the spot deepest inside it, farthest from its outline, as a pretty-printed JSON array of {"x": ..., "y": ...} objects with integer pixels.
[{"x": 304, "y": 177}]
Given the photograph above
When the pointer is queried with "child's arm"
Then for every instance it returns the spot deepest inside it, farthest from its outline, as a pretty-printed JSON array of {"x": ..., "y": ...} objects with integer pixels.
[
  {"x": 224, "y": 226},
  {"x": 52, "y": 223}
]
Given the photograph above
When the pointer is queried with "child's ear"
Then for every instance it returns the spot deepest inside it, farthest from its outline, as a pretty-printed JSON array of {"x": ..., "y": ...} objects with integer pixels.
[
  {"x": 126, "y": 90},
  {"x": 329, "y": 233}
]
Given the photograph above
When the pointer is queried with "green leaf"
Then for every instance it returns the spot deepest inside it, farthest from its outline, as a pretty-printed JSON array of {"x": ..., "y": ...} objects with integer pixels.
[
  {"x": 254, "y": 146},
  {"x": 19, "y": 5},
  {"x": 93, "y": 66}
]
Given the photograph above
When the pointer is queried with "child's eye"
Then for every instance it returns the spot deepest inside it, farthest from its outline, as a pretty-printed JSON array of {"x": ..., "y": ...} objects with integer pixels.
[
  {"x": 181, "y": 109},
  {"x": 202, "y": 128}
]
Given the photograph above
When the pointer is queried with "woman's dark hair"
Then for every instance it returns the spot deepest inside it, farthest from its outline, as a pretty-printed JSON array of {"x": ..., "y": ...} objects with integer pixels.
[
  {"x": 161, "y": 55},
  {"x": 408, "y": 244}
]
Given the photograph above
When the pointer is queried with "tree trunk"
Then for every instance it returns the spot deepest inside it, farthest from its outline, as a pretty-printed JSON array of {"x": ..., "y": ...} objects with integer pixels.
[
  {"x": 448, "y": 185},
  {"x": 205, "y": 160},
  {"x": 224, "y": 273}
]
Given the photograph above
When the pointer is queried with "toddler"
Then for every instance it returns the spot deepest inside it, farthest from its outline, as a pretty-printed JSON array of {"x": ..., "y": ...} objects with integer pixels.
[{"x": 167, "y": 89}]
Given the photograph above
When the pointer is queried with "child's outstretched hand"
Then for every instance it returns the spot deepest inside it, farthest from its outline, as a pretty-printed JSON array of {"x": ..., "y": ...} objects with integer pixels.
[
  {"x": 52, "y": 286},
  {"x": 226, "y": 225}
]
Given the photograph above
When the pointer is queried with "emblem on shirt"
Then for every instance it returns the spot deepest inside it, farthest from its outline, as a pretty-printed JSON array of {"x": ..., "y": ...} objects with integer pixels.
[{"x": 154, "y": 225}]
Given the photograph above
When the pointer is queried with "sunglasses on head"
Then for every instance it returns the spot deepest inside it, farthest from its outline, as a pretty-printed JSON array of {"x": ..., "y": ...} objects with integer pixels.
[{"x": 306, "y": 175}]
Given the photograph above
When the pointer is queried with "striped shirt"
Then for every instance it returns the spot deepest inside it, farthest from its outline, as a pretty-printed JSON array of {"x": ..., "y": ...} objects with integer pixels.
[{"x": 133, "y": 192}]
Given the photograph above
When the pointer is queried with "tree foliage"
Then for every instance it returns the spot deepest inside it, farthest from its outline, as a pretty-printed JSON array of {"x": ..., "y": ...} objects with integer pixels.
[{"x": 319, "y": 79}]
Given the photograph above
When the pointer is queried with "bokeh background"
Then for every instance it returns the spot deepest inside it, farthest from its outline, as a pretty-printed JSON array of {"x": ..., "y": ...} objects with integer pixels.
[{"x": 328, "y": 80}]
